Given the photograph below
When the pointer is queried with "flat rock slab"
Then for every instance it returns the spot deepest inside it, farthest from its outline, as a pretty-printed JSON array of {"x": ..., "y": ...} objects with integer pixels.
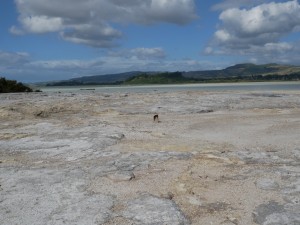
[
  {"x": 87, "y": 210},
  {"x": 265, "y": 212},
  {"x": 150, "y": 210},
  {"x": 51, "y": 197}
]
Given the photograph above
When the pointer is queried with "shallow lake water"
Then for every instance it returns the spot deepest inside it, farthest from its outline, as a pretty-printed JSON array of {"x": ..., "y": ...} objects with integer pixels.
[{"x": 247, "y": 86}]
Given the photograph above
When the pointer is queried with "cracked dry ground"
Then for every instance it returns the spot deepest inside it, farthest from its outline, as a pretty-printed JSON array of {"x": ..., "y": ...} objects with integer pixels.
[{"x": 92, "y": 158}]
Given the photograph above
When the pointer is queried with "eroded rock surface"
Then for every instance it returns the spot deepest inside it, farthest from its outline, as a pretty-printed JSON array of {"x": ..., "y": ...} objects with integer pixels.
[
  {"x": 150, "y": 210},
  {"x": 94, "y": 158}
]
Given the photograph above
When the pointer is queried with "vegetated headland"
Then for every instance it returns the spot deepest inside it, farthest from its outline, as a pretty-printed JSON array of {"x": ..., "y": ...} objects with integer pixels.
[
  {"x": 238, "y": 73},
  {"x": 8, "y": 86}
]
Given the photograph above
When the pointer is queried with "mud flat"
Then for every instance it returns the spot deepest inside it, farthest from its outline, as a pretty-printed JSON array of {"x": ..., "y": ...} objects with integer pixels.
[{"x": 93, "y": 158}]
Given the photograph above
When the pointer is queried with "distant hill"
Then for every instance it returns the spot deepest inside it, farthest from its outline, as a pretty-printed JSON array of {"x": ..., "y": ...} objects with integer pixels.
[
  {"x": 244, "y": 70},
  {"x": 7, "y": 86},
  {"x": 239, "y": 72},
  {"x": 109, "y": 78},
  {"x": 97, "y": 79}
]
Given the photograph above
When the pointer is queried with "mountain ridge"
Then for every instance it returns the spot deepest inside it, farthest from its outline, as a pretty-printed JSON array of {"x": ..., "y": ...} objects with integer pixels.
[{"x": 241, "y": 71}]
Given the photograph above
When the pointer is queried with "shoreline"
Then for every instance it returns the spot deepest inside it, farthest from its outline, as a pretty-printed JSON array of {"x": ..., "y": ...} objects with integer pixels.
[{"x": 162, "y": 86}]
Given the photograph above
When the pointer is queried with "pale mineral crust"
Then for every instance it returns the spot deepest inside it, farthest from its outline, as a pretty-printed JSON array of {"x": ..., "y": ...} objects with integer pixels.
[{"x": 93, "y": 158}]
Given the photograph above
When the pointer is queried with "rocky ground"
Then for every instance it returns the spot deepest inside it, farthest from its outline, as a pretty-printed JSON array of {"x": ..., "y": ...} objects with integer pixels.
[{"x": 94, "y": 158}]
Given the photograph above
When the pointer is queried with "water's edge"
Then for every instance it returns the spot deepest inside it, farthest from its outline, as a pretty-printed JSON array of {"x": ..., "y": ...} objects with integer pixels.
[{"x": 247, "y": 86}]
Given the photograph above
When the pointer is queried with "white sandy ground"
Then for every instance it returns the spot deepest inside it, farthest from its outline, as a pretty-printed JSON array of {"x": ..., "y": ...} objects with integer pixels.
[{"x": 92, "y": 158}]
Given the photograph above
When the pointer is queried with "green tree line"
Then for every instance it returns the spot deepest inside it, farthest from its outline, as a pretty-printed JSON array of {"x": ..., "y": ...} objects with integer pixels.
[{"x": 7, "y": 86}]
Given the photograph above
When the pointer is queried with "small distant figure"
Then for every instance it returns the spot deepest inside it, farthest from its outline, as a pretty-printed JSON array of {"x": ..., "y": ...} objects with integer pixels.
[{"x": 155, "y": 118}]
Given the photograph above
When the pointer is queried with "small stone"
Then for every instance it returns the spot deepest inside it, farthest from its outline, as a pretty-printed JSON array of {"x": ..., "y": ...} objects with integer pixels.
[
  {"x": 117, "y": 136},
  {"x": 205, "y": 111},
  {"x": 233, "y": 220},
  {"x": 122, "y": 176},
  {"x": 158, "y": 134},
  {"x": 227, "y": 222},
  {"x": 42, "y": 114},
  {"x": 168, "y": 195}
]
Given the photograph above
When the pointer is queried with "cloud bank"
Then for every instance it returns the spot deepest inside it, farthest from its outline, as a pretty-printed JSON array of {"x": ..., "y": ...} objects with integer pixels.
[
  {"x": 22, "y": 67},
  {"x": 93, "y": 23},
  {"x": 227, "y": 4},
  {"x": 257, "y": 31}
]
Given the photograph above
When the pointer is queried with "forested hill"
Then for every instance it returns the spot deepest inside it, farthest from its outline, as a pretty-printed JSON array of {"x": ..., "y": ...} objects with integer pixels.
[
  {"x": 239, "y": 72},
  {"x": 245, "y": 70},
  {"x": 160, "y": 78}
]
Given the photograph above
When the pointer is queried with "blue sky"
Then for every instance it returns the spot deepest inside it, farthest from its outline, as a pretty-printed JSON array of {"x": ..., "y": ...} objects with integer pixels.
[{"x": 44, "y": 40}]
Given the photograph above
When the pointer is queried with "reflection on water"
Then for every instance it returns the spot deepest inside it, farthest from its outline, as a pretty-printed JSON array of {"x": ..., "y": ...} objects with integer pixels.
[{"x": 253, "y": 86}]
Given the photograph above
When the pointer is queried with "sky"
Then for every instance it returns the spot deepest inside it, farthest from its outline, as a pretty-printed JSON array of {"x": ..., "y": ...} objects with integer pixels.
[{"x": 43, "y": 40}]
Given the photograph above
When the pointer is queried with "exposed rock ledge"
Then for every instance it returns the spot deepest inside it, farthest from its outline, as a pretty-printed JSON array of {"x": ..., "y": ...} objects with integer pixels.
[{"x": 214, "y": 158}]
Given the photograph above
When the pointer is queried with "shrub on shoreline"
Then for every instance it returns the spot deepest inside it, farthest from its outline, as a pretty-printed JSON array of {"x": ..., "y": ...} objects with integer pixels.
[{"x": 8, "y": 86}]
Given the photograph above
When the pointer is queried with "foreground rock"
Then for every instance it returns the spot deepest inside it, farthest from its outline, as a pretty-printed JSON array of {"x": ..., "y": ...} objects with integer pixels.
[
  {"x": 214, "y": 158},
  {"x": 149, "y": 210}
]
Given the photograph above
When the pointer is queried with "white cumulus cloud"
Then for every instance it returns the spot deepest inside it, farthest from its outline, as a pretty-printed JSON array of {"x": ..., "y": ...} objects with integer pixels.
[
  {"x": 258, "y": 30},
  {"x": 227, "y": 4},
  {"x": 93, "y": 22},
  {"x": 271, "y": 18},
  {"x": 13, "y": 59},
  {"x": 42, "y": 24},
  {"x": 22, "y": 67}
]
